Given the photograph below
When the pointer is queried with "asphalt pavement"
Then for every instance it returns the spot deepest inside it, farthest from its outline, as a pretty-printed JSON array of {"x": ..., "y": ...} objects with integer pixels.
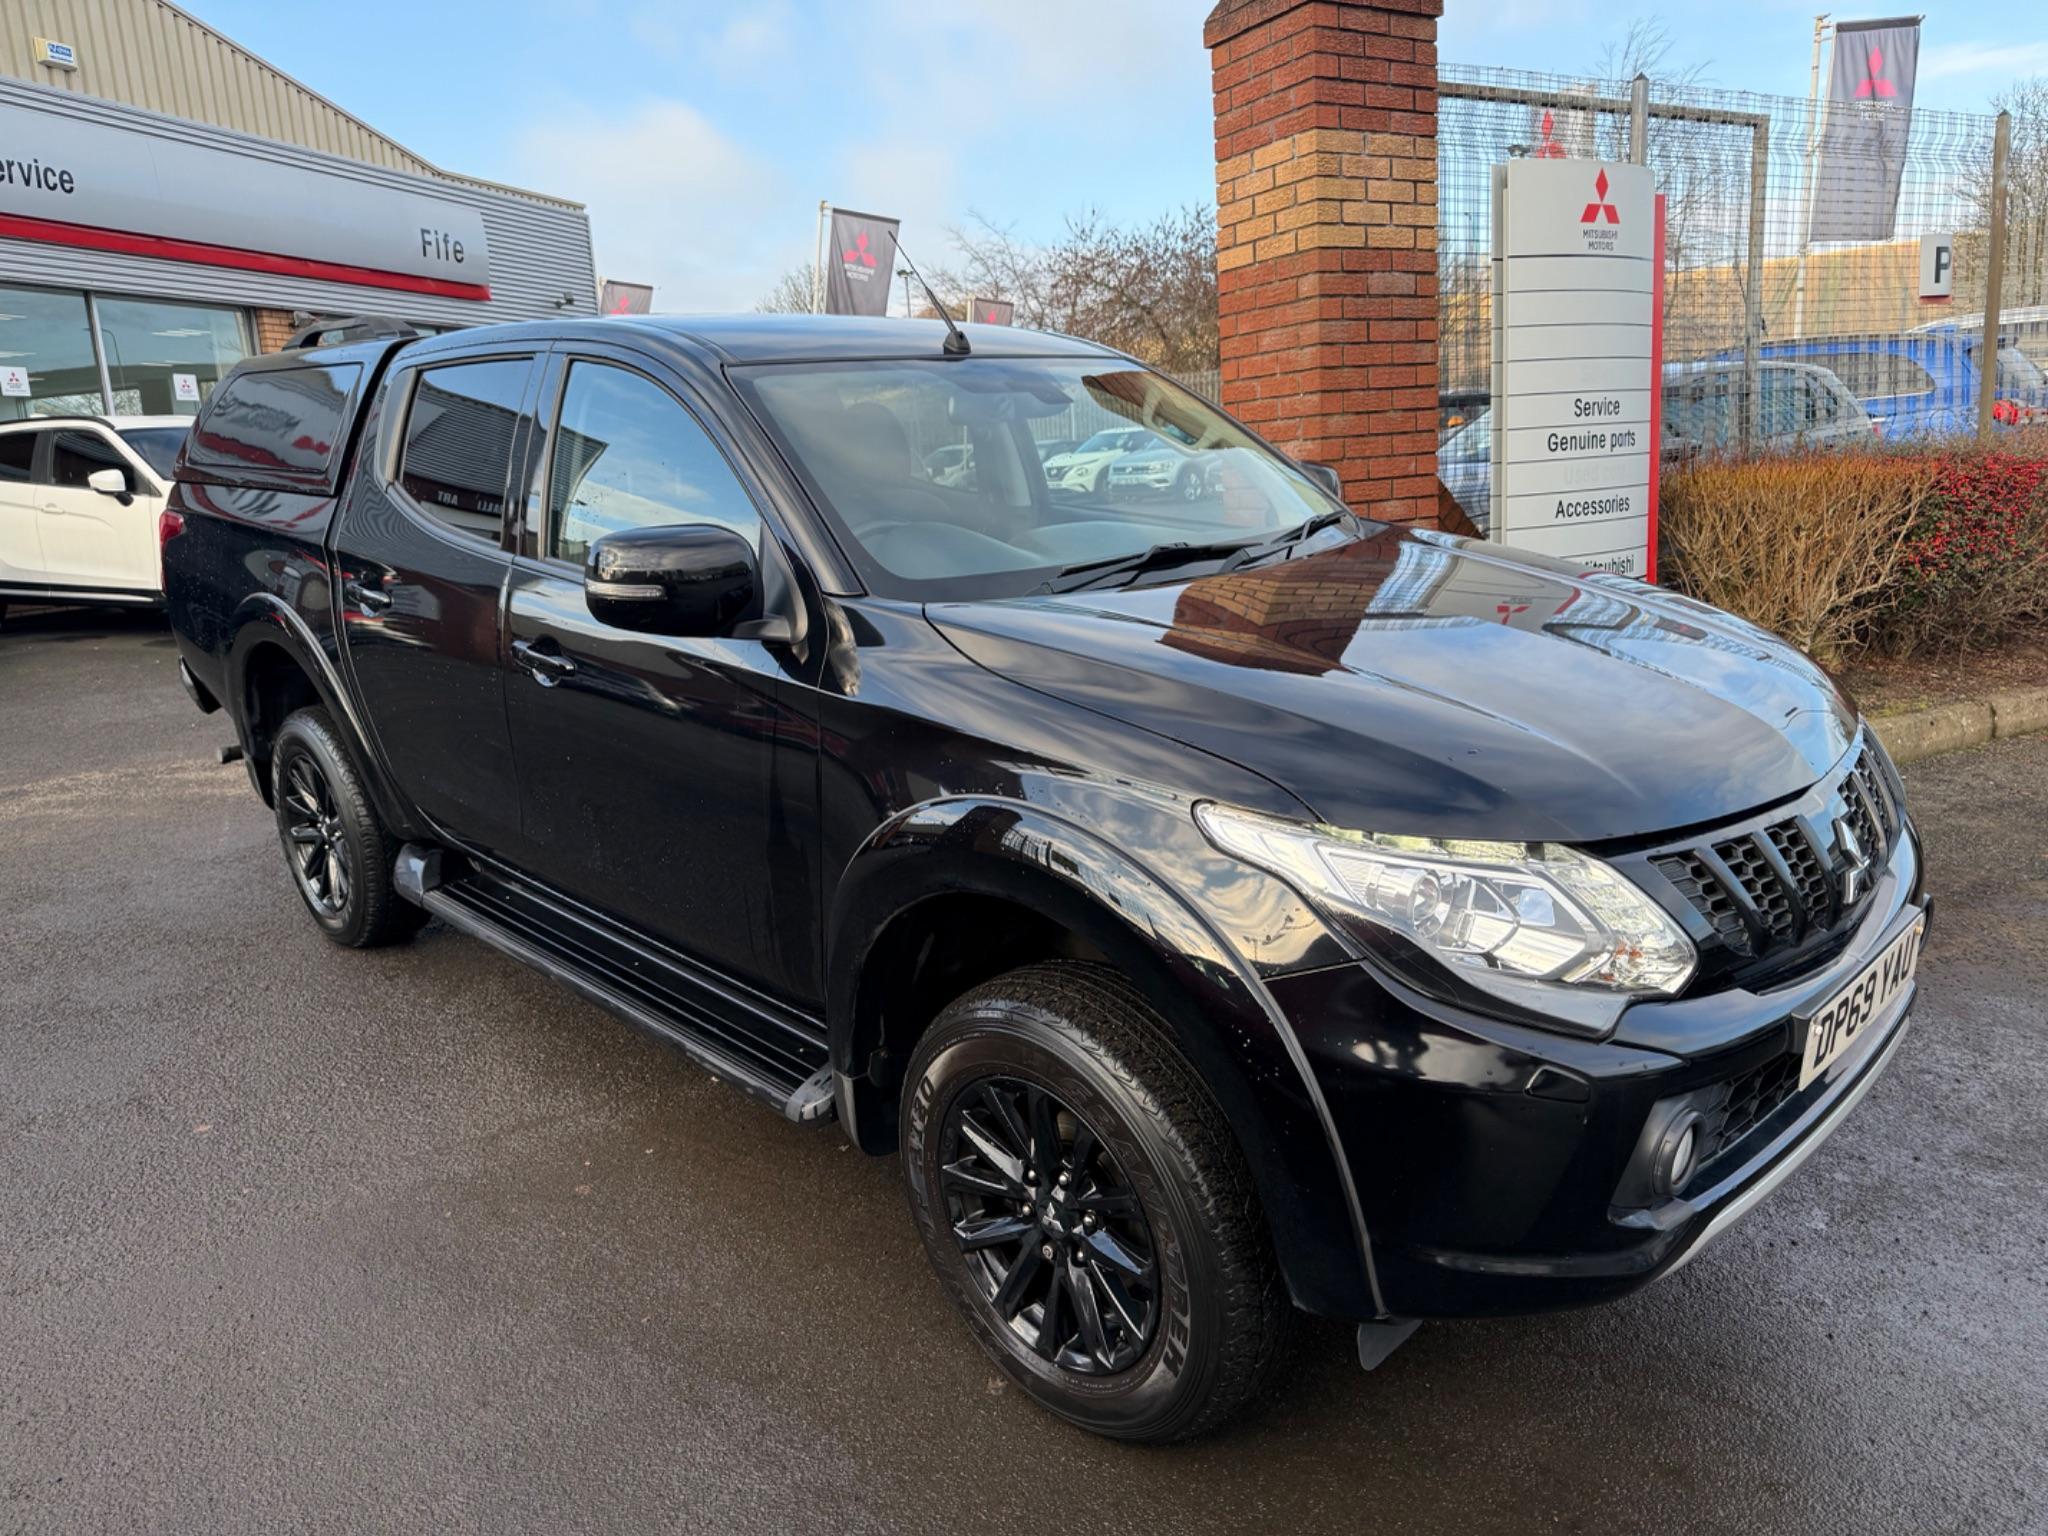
[{"x": 298, "y": 1238}]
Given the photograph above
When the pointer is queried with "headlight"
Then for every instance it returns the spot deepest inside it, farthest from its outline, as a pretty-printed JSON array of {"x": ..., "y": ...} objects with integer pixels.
[{"x": 1538, "y": 914}]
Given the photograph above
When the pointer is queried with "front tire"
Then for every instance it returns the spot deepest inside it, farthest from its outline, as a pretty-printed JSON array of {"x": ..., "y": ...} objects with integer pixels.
[
  {"x": 1087, "y": 1208},
  {"x": 338, "y": 852}
]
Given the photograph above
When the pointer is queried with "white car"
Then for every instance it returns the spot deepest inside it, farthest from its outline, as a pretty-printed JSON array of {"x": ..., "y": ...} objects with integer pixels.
[
  {"x": 79, "y": 497},
  {"x": 1086, "y": 468}
]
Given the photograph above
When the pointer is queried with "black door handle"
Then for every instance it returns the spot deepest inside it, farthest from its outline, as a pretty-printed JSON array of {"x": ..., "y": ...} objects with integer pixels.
[
  {"x": 369, "y": 599},
  {"x": 548, "y": 665}
]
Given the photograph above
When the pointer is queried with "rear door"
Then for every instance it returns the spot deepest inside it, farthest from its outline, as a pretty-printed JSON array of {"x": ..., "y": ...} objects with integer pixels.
[
  {"x": 91, "y": 539},
  {"x": 420, "y": 561},
  {"x": 21, "y": 542}
]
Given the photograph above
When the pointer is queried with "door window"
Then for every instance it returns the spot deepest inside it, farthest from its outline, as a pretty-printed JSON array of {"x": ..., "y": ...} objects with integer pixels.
[
  {"x": 628, "y": 455},
  {"x": 17, "y": 456},
  {"x": 458, "y": 443},
  {"x": 76, "y": 455}
]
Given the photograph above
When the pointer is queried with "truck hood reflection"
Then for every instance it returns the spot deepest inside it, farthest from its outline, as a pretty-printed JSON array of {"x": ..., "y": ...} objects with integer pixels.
[{"x": 1418, "y": 683}]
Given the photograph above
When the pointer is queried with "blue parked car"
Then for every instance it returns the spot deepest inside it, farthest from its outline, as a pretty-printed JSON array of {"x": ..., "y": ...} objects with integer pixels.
[{"x": 1921, "y": 383}]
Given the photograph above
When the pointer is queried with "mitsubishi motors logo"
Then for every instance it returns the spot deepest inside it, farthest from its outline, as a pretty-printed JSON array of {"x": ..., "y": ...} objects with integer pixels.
[
  {"x": 860, "y": 252},
  {"x": 1547, "y": 147},
  {"x": 1600, "y": 207},
  {"x": 1877, "y": 86}
]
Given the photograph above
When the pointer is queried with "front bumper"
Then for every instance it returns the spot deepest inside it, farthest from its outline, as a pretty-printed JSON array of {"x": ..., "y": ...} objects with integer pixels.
[{"x": 1495, "y": 1162}]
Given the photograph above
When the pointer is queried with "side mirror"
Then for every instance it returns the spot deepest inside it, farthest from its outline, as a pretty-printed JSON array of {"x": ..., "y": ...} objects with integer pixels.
[
  {"x": 693, "y": 580},
  {"x": 111, "y": 482},
  {"x": 1325, "y": 476}
]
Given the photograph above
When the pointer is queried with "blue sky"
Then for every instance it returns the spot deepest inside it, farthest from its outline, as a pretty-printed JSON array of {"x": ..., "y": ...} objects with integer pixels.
[{"x": 702, "y": 135}]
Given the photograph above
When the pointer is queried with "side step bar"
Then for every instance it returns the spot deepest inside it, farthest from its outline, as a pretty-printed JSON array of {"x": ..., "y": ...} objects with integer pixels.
[{"x": 776, "y": 1058}]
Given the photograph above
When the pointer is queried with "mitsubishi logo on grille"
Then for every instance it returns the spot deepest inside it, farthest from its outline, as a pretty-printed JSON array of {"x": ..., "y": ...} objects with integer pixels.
[{"x": 1856, "y": 860}]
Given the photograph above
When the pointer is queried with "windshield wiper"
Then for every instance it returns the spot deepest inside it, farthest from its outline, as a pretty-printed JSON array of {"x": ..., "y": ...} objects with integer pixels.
[
  {"x": 1288, "y": 537},
  {"x": 1160, "y": 557}
]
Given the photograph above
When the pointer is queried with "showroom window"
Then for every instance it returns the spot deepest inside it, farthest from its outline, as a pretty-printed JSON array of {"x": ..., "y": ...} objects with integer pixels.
[
  {"x": 164, "y": 359},
  {"x": 47, "y": 367}
]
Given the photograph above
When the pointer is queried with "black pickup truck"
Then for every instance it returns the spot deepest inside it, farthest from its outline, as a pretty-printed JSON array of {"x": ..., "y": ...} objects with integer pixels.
[{"x": 1224, "y": 905}]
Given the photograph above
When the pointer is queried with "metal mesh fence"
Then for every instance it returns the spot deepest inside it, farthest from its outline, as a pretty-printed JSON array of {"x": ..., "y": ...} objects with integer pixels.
[{"x": 1770, "y": 336}]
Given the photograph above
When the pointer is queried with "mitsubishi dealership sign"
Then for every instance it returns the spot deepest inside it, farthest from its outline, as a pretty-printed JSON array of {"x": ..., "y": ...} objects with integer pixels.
[
  {"x": 1575, "y": 367},
  {"x": 98, "y": 185}
]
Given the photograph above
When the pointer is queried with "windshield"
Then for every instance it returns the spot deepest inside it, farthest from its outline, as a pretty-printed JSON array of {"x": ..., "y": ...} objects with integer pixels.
[
  {"x": 1156, "y": 466},
  {"x": 158, "y": 445}
]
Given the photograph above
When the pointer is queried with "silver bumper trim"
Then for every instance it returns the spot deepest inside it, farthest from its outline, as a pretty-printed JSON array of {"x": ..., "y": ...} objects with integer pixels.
[{"x": 1791, "y": 1162}]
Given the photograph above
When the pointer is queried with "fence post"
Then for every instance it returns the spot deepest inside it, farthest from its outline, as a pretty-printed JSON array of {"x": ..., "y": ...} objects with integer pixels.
[
  {"x": 1639, "y": 120},
  {"x": 1994, "y": 280},
  {"x": 1753, "y": 283}
]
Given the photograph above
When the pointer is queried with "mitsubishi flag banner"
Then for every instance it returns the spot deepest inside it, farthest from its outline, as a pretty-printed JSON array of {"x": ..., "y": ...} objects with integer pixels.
[
  {"x": 860, "y": 257},
  {"x": 1863, "y": 137},
  {"x": 992, "y": 312}
]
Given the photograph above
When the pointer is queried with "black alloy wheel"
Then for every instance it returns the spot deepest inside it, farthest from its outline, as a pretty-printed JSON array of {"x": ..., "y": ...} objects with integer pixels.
[
  {"x": 319, "y": 844},
  {"x": 339, "y": 852},
  {"x": 1086, "y": 1206},
  {"x": 1050, "y": 1228}
]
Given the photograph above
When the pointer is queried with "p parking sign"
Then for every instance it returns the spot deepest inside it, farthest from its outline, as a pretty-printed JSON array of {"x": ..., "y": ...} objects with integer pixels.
[{"x": 1937, "y": 268}]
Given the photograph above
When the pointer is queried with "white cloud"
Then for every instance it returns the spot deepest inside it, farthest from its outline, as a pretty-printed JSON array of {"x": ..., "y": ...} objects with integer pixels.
[
  {"x": 1944, "y": 60},
  {"x": 755, "y": 35},
  {"x": 672, "y": 201}
]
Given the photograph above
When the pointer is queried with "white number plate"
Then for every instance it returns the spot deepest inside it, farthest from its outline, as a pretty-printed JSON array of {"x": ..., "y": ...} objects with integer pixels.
[{"x": 1837, "y": 1022}]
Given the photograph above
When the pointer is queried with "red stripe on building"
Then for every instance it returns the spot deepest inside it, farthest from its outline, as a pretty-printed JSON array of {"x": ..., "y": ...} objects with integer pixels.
[
  {"x": 163, "y": 248},
  {"x": 1656, "y": 380}
]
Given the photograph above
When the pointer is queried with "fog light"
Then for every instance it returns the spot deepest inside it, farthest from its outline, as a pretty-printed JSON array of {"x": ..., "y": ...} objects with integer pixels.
[{"x": 1678, "y": 1153}]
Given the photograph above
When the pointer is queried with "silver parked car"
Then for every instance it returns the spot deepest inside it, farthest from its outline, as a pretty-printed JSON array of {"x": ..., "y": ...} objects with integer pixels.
[{"x": 1802, "y": 405}]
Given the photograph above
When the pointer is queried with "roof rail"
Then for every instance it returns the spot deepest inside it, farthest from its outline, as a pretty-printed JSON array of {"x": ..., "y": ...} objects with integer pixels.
[{"x": 333, "y": 332}]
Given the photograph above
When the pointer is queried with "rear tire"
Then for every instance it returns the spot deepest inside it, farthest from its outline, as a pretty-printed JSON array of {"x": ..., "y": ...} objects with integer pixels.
[
  {"x": 338, "y": 852},
  {"x": 1138, "y": 1176}
]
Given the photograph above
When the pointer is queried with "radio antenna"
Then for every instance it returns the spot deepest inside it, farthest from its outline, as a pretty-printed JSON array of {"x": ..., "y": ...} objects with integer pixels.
[{"x": 955, "y": 344}]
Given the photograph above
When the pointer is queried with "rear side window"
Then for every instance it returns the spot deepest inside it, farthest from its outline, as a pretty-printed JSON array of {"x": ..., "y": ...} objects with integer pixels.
[
  {"x": 290, "y": 419},
  {"x": 76, "y": 455},
  {"x": 17, "y": 454},
  {"x": 457, "y": 451}
]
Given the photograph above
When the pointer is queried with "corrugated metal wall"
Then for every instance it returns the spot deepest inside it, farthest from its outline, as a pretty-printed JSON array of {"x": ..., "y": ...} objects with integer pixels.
[
  {"x": 149, "y": 53},
  {"x": 540, "y": 249}
]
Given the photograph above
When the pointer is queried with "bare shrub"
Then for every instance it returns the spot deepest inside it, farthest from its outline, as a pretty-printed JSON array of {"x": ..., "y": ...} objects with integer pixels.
[{"x": 1808, "y": 545}]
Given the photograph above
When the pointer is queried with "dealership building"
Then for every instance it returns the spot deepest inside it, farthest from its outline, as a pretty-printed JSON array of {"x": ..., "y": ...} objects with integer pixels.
[{"x": 170, "y": 203}]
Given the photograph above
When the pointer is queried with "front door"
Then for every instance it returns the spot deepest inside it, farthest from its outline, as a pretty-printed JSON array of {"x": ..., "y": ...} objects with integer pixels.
[
  {"x": 647, "y": 763},
  {"x": 91, "y": 539},
  {"x": 420, "y": 563},
  {"x": 21, "y": 540}
]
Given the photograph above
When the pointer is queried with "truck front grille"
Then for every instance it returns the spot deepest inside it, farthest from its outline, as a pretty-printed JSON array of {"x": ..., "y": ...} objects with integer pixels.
[{"x": 1767, "y": 891}]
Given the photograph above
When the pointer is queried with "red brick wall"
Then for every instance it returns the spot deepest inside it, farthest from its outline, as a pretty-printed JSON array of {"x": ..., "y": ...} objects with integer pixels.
[
  {"x": 1326, "y": 224},
  {"x": 273, "y": 329}
]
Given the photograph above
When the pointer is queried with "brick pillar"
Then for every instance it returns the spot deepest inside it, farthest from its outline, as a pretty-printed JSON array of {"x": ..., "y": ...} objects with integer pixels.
[
  {"x": 1326, "y": 225},
  {"x": 273, "y": 329}
]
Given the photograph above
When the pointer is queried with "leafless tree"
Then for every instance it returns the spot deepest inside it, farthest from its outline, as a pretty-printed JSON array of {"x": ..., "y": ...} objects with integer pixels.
[
  {"x": 1147, "y": 289},
  {"x": 792, "y": 292},
  {"x": 2026, "y": 181}
]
